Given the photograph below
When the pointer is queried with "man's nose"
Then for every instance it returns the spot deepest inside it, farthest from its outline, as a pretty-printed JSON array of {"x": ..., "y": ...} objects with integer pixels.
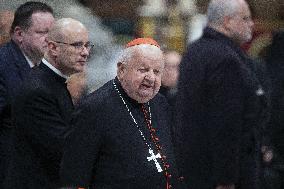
[
  {"x": 150, "y": 76},
  {"x": 85, "y": 51}
]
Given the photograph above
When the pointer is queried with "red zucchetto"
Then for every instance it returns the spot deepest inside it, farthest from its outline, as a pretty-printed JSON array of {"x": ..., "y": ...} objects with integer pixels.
[{"x": 139, "y": 41}]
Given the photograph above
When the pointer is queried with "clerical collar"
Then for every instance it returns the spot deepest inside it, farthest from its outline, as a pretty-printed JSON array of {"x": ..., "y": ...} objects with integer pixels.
[
  {"x": 58, "y": 72},
  {"x": 125, "y": 95}
]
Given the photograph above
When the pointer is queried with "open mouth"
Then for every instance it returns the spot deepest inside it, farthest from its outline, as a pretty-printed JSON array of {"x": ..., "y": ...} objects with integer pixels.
[{"x": 147, "y": 86}]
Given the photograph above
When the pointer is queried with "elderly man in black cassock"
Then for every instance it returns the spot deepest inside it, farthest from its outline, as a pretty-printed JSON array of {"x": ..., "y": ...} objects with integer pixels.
[{"x": 121, "y": 136}]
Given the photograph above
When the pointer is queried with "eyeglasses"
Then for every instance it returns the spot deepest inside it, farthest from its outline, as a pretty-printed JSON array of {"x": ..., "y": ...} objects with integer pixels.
[{"x": 79, "y": 45}]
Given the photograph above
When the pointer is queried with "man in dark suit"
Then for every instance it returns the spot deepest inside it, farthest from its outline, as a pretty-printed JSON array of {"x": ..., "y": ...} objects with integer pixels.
[
  {"x": 221, "y": 105},
  {"x": 43, "y": 109},
  {"x": 28, "y": 32}
]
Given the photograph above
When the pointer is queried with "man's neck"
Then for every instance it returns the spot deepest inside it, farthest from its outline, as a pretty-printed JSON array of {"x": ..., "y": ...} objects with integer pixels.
[
  {"x": 32, "y": 62},
  {"x": 33, "y": 59},
  {"x": 220, "y": 29},
  {"x": 50, "y": 63},
  {"x": 225, "y": 32}
]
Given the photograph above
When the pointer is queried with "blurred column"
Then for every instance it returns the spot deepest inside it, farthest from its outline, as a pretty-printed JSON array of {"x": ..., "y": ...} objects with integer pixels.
[
  {"x": 149, "y": 14},
  {"x": 176, "y": 30}
]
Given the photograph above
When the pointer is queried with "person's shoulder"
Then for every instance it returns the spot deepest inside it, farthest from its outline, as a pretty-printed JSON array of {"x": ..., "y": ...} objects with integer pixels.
[
  {"x": 9, "y": 54},
  {"x": 160, "y": 100},
  {"x": 207, "y": 52},
  {"x": 99, "y": 98},
  {"x": 5, "y": 48},
  {"x": 5, "y": 55},
  {"x": 8, "y": 50},
  {"x": 212, "y": 44}
]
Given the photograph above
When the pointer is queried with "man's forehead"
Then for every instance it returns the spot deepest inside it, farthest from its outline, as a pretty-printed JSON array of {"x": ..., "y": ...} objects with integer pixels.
[
  {"x": 41, "y": 15},
  {"x": 39, "y": 19},
  {"x": 146, "y": 56},
  {"x": 76, "y": 29},
  {"x": 148, "y": 61},
  {"x": 80, "y": 36}
]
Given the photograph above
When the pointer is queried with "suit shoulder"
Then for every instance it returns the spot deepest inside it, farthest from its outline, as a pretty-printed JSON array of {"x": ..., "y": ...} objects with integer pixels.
[
  {"x": 210, "y": 52},
  {"x": 4, "y": 56},
  {"x": 99, "y": 98},
  {"x": 210, "y": 47},
  {"x": 161, "y": 101},
  {"x": 9, "y": 55}
]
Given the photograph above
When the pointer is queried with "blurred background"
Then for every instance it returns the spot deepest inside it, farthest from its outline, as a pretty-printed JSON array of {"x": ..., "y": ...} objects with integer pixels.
[{"x": 173, "y": 23}]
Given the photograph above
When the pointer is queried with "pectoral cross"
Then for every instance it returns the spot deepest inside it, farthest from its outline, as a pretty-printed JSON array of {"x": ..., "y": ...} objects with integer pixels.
[{"x": 154, "y": 158}]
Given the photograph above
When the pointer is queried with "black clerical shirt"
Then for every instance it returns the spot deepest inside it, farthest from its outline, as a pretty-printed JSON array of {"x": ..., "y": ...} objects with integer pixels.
[{"x": 106, "y": 149}]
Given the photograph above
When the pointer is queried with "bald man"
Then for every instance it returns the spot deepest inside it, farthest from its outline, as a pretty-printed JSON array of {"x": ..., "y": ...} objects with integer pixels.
[
  {"x": 44, "y": 106},
  {"x": 221, "y": 104}
]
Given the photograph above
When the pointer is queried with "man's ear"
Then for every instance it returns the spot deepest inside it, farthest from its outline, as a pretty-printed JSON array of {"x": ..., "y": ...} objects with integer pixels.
[
  {"x": 121, "y": 69},
  {"x": 18, "y": 33},
  {"x": 52, "y": 47},
  {"x": 227, "y": 23}
]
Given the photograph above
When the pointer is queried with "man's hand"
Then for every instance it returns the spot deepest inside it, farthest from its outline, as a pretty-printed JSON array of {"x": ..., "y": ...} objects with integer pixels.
[{"x": 232, "y": 186}]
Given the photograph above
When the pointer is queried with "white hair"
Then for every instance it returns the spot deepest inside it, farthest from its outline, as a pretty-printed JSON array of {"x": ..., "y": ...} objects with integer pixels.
[
  {"x": 131, "y": 52},
  {"x": 218, "y": 9}
]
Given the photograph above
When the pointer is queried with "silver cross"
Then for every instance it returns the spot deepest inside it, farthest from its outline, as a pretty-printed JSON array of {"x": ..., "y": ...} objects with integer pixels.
[{"x": 154, "y": 158}]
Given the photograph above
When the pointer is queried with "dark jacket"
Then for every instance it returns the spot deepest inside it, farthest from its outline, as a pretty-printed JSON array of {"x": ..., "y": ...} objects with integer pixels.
[
  {"x": 13, "y": 69},
  {"x": 220, "y": 109},
  {"x": 275, "y": 65},
  {"x": 106, "y": 149},
  {"x": 42, "y": 114}
]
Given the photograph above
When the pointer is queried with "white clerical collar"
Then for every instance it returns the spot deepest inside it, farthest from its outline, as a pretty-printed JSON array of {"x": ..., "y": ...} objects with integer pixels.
[
  {"x": 31, "y": 64},
  {"x": 54, "y": 69}
]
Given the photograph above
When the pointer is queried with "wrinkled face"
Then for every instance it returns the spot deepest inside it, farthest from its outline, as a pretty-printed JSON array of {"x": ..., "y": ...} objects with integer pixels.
[
  {"x": 34, "y": 42},
  {"x": 72, "y": 56},
  {"x": 241, "y": 24},
  {"x": 141, "y": 78}
]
